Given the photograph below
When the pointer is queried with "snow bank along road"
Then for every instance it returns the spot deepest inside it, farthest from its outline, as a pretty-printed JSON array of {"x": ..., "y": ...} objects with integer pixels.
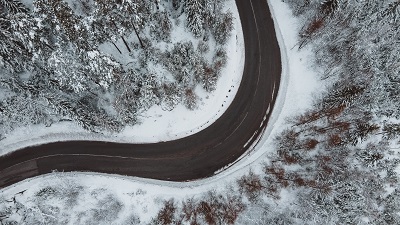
[{"x": 189, "y": 158}]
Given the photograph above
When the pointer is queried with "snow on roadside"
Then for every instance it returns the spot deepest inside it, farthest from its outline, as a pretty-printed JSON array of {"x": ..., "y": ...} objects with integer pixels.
[
  {"x": 298, "y": 86},
  {"x": 156, "y": 124},
  {"x": 159, "y": 125}
]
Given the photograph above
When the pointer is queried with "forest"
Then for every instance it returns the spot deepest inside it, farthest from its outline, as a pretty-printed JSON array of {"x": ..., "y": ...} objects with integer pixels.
[
  {"x": 100, "y": 63},
  {"x": 337, "y": 163}
]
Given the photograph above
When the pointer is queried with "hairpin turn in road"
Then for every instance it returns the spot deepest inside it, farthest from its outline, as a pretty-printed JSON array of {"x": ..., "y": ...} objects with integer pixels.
[{"x": 193, "y": 157}]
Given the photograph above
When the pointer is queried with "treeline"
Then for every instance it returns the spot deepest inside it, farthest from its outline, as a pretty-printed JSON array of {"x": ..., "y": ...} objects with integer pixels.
[
  {"x": 54, "y": 68},
  {"x": 64, "y": 201}
]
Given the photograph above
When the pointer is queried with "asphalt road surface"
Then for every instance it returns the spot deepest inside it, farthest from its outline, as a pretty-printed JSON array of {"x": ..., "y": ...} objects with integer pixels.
[{"x": 193, "y": 157}]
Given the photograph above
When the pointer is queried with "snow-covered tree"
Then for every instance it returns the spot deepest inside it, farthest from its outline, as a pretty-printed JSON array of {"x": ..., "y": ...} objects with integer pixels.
[
  {"x": 181, "y": 61},
  {"x": 67, "y": 70},
  {"x": 220, "y": 58},
  {"x": 101, "y": 68},
  {"x": 171, "y": 95},
  {"x": 116, "y": 19},
  {"x": 195, "y": 16},
  {"x": 57, "y": 55},
  {"x": 69, "y": 23},
  {"x": 207, "y": 77},
  {"x": 222, "y": 27},
  {"x": 14, "y": 55},
  {"x": 391, "y": 130},
  {"x": 251, "y": 185},
  {"x": 20, "y": 110},
  {"x": 12, "y": 7},
  {"x": 161, "y": 27},
  {"x": 342, "y": 96},
  {"x": 190, "y": 99},
  {"x": 78, "y": 70}
]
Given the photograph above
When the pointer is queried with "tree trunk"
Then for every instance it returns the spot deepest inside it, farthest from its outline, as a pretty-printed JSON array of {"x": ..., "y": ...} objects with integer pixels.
[
  {"x": 140, "y": 40},
  {"x": 116, "y": 48},
  {"x": 126, "y": 44}
]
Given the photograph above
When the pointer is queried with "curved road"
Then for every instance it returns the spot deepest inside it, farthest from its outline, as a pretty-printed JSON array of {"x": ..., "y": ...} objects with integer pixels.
[{"x": 189, "y": 158}]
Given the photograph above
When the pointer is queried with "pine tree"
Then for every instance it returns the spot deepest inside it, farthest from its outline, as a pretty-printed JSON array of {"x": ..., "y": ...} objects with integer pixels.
[
  {"x": 170, "y": 96},
  {"x": 70, "y": 23},
  {"x": 209, "y": 79},
  {"x": 222, "y": 27},
  {"x": 50, "y": 27},
  {"x": 14, "y": 55},
  {"x": 393, "y": 11},
  {"x": 361, "y": 131},
  {"x": 176, "y": 4},
  {"x": 343, "y": 96},
  {"x": 100, "y": 68},
  {"x": 195, "y": 16},
  {"x": 161, "y": 27},
  {"x": 190, "y": 99},
  {"x": 329, "y": 6},
  {"x": 391, "y": 130},
  {"x": 67, "y": 70},
  {"x": 13, "y": 6},
  {"x": 116, "y": 19},
  {"x": 251, "y": 185},
  {"x": 220, "y": 58}
]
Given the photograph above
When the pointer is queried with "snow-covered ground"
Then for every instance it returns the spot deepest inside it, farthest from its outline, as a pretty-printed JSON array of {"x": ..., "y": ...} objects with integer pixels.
[
  {"x": 298, "y": 86},
  {"x": 160, "y": 125},
  {"x": 156, "y": 124}
]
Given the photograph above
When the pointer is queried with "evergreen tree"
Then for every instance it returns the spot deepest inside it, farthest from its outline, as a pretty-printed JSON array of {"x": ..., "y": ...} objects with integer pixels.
[
  {"x": 12, "y": 7},
  {"x": 343, "y": 96},
  {"x": 222, "y": 27},
  {"x": 329, "y": 6},
  {"x": 190, "y": 99},
  {"x": 195, "y": 16},
  {"x": 116, "y": 19},
  {"x": 391, "y": 130},
  {"x": 70, "y": 23},
  {"x": 161, "y": 27}
]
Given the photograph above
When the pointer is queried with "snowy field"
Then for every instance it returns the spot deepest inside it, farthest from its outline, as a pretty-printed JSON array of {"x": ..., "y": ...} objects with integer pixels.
[
  {"x": 143, "y": 196},
  {"x": 156, "y": 124}
]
